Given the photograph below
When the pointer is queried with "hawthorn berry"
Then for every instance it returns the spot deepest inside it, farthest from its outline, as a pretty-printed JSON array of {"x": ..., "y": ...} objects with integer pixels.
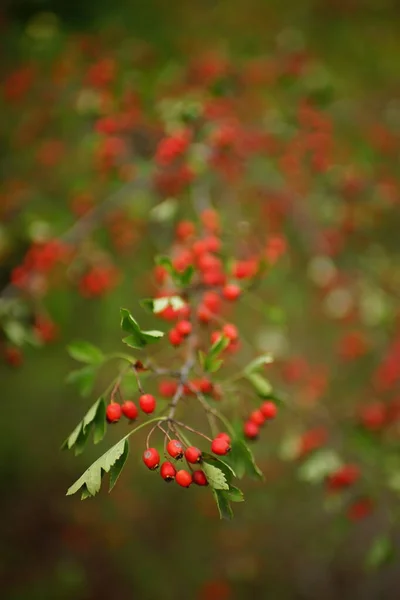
[
  {"x": 167, "y": 388},
  {"x": 269, "y": 410},
  {"x": 167, "y": 471},
  {"x": 175, "y": 449},
  {"x": 204, "y": 315},
  {"x": 220, "y": 446},
  {"x": 257, "y": 417},
  {"x": 183, "y": 478},
  {"x": 224, "y": 436},
  {"x": 151, "y": 458},
  {"x": 113, "y": 412},
  {"x": 175, "y": 337},
  {"x": 199, "y": 478},
  {"x": 230, "y": 331},
  {"x": 147, "y": 403},
  {"x": 129, "y": 410},
  {"x": 193, "y": 455},
  {"x": 231, "y": 291},
  {"x": 184, "y": 328},
  {"x": 251, "y": 430}
]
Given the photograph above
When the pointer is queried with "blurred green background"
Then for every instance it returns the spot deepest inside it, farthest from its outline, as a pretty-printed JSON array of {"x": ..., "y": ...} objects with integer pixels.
[{"x": 143, "y": 541}]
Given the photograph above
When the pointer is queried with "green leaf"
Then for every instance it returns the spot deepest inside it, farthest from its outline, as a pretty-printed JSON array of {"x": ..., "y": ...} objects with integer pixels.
[
  {"x": 15, "y": 332},
  {"x": 258, "y": 362},
  {"x": 319, "y": 465},
  {"x": 100, "y": 423},
  {"x": 84, "y": 378},
  {"x": 187, "y": 275},
  {"x": 221, "y": 464},
  {"x": 215, "y": 477},
  {"x": 381, "y": 552},
  {"x": 152, "y": 336},
  {"x": 181, "y": 279},
  {"x": 158, "y": 305},
  {"x": 224, "y": 507},
  {"x": 94, "y": 419},
  {"x": 234, "y": 494},
  {"x": 210, "y": 363},
  {"x": 262, "y": 386},
  {"x": 85, "y": 352},
  {"x": 243, "y": 461},
  {"x": 164, "y": 211},
  {"x": 117, "y": 467},
  {"x": 91, "y": 478},
  {"x": 137, "y": 338}
]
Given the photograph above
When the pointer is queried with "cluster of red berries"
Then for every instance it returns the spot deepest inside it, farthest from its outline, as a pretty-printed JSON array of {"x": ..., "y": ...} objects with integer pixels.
[
  {"x": 220, "y": 445},
  {"x": 40, "y": 258},
  {"x": 98, "y": 280},
  {"x": 114, "y": 411},
  {"x": 257, "y": 418}
]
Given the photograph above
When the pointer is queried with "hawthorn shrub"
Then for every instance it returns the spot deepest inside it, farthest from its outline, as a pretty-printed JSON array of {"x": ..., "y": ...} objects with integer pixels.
[{"x": 257, "y": 186}]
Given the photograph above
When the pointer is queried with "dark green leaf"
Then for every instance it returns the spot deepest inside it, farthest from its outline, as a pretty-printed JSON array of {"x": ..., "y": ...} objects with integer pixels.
[
  {"x": 117, "y": 467},
  {"x": 91, "y": 478},
  {"x": 80, "y": 443},
  {"x": 100, "y": 423},
  {"x": 224, "y": 507},
  {"x": 234, "y": 494},
  {"x": 85, "y": 352},
  {"x": 243, "y": 462},
  {"x": 187, "y": 275},
  {"x": 215, "y": 477},
  {"x": 381, "y": 552},
  {"x": 137, "y": 338}
]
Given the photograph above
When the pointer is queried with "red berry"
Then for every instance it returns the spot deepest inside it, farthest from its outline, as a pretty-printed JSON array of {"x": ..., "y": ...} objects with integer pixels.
[
  {"x": 184, "y": 328},
  {"x": 257, "y": 417},
  {"x": 251, "y": 430},
  {"x": 220, "y": 446},
  {"x": 215, "y": 337},
  {"x": 183, "y": 478},
  {"x": 175, "y": 449},
  {"x": 13, "y": 356},
  {"x": 205, "y": 386},
  {"x": 151, "y": 458},
  {"x": 147, "y": 403},
  {"x": 204, "y": 315},
  {"x": 212, "y": 301},
  {"x": 193, "y": 455},
  {"x": 175, "y": 337},
  {"x": 184, "y": 230},
  {"x": 230, "y": 331},
  {"x": 167, "y": 388},
  {"x": 199, "y": 478},
  {"x": 224, "y": 436},
  {"x": 269, "y": 410},
  {"x": 231, "y": 291},
  {"x": 129, "y": 410},
  {"x": 167, "y": 471},
  {"x": 113, "y": 412}
]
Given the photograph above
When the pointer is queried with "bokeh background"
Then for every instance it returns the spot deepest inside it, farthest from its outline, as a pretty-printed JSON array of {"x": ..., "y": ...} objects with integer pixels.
[{"x": 145, "y": 541}]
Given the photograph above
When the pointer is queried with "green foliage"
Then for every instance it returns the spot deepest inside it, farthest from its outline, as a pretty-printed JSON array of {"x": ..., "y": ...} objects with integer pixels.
[
  {"x": 242, "y": 460},
  {"x": 224, "y": 507},
  {"x": 261, "y": 385},
  {"x": 181, "y": 279},
  {"x": 111, "y": 462},
  {"x": 215, "y": 477},
  {"x": 95, "y": 419},
  {"x": 319, "y": 465},
  {"x": 137, "y": 338},
  {"x": 85, "y": 352},
  {"x": 380, "y": 552},
  {"x": 257, "y": 363},
  {"x": 84, "y": 379},
  {"x": 157, "y": 305},
  {"x": 210, "y": 361}
]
